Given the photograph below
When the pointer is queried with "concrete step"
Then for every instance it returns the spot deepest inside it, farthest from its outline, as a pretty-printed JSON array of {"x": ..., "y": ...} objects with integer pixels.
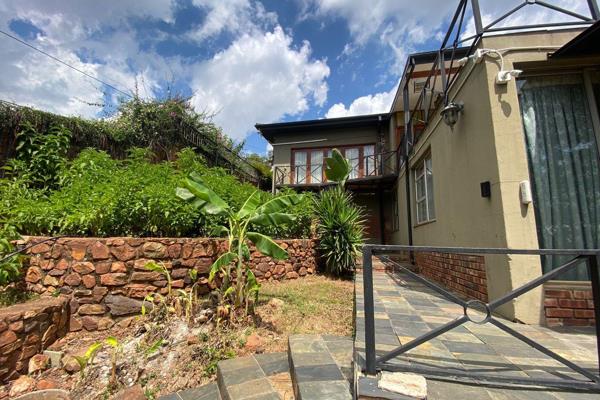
[
  {"x": 321, "y": 367},
  {"x": 207, "y": 392},
  {"x": 255, "y": 377}
]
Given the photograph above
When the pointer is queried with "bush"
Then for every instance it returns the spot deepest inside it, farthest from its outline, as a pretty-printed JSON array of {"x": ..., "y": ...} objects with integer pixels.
[
  {"x": 100, "y": 196},
  {"x": 340, "y": 230},
  {"x": 10, "y": 265}
]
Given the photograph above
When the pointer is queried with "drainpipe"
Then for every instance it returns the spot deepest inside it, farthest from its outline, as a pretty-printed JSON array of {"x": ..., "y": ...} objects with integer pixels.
[{"x": 406, "y": 151}]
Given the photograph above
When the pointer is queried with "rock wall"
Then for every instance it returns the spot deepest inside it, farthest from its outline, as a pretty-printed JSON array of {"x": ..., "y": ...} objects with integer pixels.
[
  {"x": 29, "y": 328},
  {"x": 106, "y": 278}
]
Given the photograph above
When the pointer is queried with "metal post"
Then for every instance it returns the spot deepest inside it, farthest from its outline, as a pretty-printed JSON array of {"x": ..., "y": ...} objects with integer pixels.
[
  {"x": 593, "y": 265},
  {"x": 442, "y": 57},
  {"x": 594, "y": 11},
  {"x": 407, "y": 149},
  {"x": 477, "y": 16},
  {"x": 369, "y": 311}
]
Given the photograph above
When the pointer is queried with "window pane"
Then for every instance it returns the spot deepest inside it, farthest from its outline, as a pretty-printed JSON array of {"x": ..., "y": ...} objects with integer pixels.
[
  {"x": 420, "y": 185},
  {"x": 421, "y": 211},
  {"x": 352, "y": 156},
  {"x": 429, "y": 177},
  {"x": 369, "y": 160},
  {"x": 316, "y": 166},
  {"x": 300, "y": 167}
]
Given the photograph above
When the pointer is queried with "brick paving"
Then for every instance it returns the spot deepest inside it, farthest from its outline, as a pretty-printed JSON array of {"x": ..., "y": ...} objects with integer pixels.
[{"x": 405, "y": 309}]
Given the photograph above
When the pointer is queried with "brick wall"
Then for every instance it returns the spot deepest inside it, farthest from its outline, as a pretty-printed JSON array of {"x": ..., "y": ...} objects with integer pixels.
[
  {"x": 27, "y": 329},
  {"x": 568, "y": 304},
  {"x": 106, "y": 278},
  {"x": 462, "y": 273}
]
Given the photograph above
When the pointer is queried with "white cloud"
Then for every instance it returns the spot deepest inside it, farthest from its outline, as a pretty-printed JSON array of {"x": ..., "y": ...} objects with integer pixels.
[
  {"x": 259, "y": 78},
  {"x": 370, "y": 104}
]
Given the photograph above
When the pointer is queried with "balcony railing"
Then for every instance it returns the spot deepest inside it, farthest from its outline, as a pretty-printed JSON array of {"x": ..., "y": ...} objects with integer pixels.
[{"x": 368, "y": 167}]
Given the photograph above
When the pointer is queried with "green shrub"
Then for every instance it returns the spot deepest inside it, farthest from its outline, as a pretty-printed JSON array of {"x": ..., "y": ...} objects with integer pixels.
[
  {"x": 100, "y": 196},
  {"x": 340, "y": 222},
  {"x": 10, "y": 265}
]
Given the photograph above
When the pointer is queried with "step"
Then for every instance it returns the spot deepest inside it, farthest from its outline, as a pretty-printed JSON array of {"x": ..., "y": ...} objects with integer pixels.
[
  {"x": 321, "y": 366},
  {"x": 209, "y": 391},
  {"x": 255, "y": 377}
]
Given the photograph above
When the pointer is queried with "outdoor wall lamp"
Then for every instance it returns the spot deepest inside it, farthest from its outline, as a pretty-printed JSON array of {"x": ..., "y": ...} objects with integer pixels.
[{"x": 450, "y": 113}]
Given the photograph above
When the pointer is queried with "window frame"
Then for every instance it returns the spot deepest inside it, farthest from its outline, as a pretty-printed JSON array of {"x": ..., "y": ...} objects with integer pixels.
[{"x": 419, "y": 172}]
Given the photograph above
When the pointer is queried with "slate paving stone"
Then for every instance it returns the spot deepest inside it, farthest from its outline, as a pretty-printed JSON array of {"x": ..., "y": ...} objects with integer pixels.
[
  {"x": 324, "y": 390},
  {"x": 252, "y": 389},
  {"x": 207, "y": 392},
  {"x": 273, "y": 363},
  {"x": 315, "y": 373},
  {"x": 470, "y": 348},
  {"x": 241, "y": 375}
]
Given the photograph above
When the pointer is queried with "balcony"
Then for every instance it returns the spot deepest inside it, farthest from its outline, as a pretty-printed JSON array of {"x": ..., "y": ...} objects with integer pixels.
[{"x": 368, "y": 172}]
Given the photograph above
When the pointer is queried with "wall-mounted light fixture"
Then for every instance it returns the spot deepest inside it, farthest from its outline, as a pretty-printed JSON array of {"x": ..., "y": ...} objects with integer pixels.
[{"x": 450, "y": 113}]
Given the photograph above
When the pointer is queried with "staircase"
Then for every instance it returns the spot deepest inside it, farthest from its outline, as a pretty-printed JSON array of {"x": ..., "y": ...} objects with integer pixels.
[{"x": 315, "y": 367}]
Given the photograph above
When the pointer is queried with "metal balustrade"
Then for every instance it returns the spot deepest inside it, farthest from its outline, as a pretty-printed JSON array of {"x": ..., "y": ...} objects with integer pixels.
[{"x": 374, "y": 363}]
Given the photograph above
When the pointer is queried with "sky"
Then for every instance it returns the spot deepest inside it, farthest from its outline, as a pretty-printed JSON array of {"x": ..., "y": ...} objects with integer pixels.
[{"x": 241, "y": 61}]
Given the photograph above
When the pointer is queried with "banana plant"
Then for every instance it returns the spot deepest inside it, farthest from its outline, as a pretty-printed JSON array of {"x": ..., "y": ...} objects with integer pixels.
[{"x": 254, "y": 212}]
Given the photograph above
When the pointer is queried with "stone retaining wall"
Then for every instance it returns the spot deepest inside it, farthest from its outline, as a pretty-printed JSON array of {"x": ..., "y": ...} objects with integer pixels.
[
  {"x": 29, "y": 328},
  {"x": 568, "y": 303},
  {"x": 462, "y": 273},
  {"x": 107, "y": 279}
]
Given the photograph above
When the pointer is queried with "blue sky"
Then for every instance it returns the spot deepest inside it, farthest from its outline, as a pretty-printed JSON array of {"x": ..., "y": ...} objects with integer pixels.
[{"x": 243, "y": 61}]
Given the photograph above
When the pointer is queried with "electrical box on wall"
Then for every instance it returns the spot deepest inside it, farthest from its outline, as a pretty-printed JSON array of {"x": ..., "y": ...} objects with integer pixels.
[
  {"x": 525, "y": 192},
  {"x": 486, "y": 189}
]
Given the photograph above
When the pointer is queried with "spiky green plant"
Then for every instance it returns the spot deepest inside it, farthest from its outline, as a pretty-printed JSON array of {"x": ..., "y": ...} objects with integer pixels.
[{"x": 340, "y": 229}]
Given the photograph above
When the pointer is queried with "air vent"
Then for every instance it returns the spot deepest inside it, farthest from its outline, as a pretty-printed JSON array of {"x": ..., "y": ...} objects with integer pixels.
[{"x": 419, "y": 86}]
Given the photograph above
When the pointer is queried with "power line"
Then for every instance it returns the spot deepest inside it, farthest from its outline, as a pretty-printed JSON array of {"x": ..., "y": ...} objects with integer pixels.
[{"x": 65, "y": 64}]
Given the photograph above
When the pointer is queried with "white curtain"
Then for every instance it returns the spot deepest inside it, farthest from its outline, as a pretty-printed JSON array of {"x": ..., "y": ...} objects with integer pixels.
[
  {"x": 300, "y": 167},
  {"x": 352, "y": 155},
  {"x": 563, "y": 162},
  {"x": 316, "y": 166}
]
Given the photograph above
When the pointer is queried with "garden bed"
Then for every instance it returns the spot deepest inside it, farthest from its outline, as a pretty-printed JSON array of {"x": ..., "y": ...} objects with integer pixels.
[{"x": 188, "y": 356}]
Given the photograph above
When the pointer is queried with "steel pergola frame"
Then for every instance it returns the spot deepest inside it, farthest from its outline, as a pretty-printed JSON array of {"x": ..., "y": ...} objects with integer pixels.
[{"x": 373, "y": 363}]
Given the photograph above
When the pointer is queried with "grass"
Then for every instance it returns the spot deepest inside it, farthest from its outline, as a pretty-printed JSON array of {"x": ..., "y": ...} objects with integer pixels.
[{"x": 311, "y": 305}]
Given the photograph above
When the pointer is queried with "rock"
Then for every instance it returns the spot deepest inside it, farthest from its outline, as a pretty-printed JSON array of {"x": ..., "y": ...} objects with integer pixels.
[
  {"x": 276, "y": 303},
  {"x": 121, "y": 305},
  {"x": 75, "y": 324},
  {"x": 100, "y": 251},
  {"x": 70, "y": 364},
  {"x": 92, "y": 309},
  {"x": 78, "y": 249},
  {"x": 154, "y": 250},
  {"x": 254, "y": 343},
  {"x": 131, "y": 393},
  {"x": 123, "y": 253},
  {"x": 406, "y": 384},
  {"x": 118, "y": 266},
  {"x": 73, "y": 279},
  {"x": 49, "y": 336},
  {"x": 54, "y": 357},
  {"x": 45, "y": 384},
  {"x": 103, "y": 267},
  {"x": 62, "y": 265},
  {"x": 89, "y": 323},
  {"x": 113, "y": 279},
  {"x": 125, "y": 323},
  {"x": 38, "y": 362},
  {"x": 139, "y": 290},
  {"x": 49, "y": 280},
  {"x": 89, "y": 281},
  {"x": 105, "y": 323},
  {"x": 84, "y": 267},
  {"x": 174, "y": 251},
  {"x": 99, "y": 292},
  {"x": 7, "y": 337},
  {"x": 193, "y": 339},
  {"x": 34, "y": 275},
  {"x": 146, "y": 276},
  {"x": 21, "y": 386},
  {"x": 291, "y": 275}
]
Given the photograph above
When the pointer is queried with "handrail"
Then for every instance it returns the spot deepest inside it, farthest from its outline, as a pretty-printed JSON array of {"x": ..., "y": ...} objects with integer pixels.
[{"x": 375, "y": 362}]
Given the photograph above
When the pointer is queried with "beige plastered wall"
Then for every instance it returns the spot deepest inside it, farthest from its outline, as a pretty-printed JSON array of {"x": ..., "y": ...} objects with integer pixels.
[{"x": 486, "y": 144}]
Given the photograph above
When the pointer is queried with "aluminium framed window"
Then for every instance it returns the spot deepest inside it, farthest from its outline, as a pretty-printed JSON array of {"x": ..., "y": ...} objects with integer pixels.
[{"x": 423, "y": 180}]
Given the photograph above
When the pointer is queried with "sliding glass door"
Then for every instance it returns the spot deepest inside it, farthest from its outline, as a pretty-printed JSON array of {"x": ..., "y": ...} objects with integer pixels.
[{"x": 560, "y": 118}]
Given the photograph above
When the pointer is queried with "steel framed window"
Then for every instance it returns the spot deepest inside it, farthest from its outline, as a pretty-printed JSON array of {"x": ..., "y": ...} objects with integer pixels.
[{"x": 423, "y": 179}]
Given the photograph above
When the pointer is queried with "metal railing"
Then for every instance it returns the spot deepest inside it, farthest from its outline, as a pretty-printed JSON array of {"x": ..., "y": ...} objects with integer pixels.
[
  {"x": 374, "y": 363},
  {"x": 368, "y": 166},
  {"x": 445, "y": 67}
]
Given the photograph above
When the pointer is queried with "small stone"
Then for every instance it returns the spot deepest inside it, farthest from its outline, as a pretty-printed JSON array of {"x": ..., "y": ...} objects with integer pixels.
[
  {"x": 125, "y": 323},
  {"x": 34, "y": 275},
  {"x": 78, "y": 250},
  {"x": 407, "y": 384},
  {"x": 154, "y": 250},
  {"x": 254, "y": 343},
  {"x": 70, "y": 364},
  {"x": 92, "y": 309},
  {"x": 89, "y": 323},
  {"x": 131, "y": 393},
  {"x": 54, "y": 357},
  {"x": 123, "y": 253},
  {"x": 121, "y": 305},
  {"x": 100, "y": 251},
  {"x": 193, "y": 339},
  {"x": 22, "y": 385},
  {"x": 45, "y": 384},
  {"x": 75, "y": 324},
  {"x": 73, "y": 279},
  {"x": 84, "y": 267},
  {"x": 38, "y": 362},
  {"x": 103, "y": 267},
  {"x": 89, "y": 281},
  {"x": 118, "y": 266},
  {"x": 50, "y": 281},
  {"x": 105, "y": 323},
  {"x": 291, "y": 275},
  {"x": 7, "y": 337},
  {"x": 114, "y": 279}
]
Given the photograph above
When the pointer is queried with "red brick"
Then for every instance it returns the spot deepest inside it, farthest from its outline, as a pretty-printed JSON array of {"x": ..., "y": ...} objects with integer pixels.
[
  {"x": 576, "y": 322},
  {"x": 551, "y": 303},
  {"x": 559, "y": 312},
  {"x": 559, "y": 294},
  {"x": 584, "y": 313},
  {"x": 565, "y": 303}
]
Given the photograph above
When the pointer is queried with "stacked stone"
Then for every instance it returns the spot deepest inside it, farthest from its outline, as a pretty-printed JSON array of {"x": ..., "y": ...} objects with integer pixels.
[
  {"x": 28, "y": 328},
  {"x": 107, "y": 278}
]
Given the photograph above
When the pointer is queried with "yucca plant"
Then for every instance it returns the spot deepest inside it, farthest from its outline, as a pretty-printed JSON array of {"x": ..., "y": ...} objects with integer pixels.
[
  {"x": 239, "y": 287},
  {"x": 340, "y": 230}
]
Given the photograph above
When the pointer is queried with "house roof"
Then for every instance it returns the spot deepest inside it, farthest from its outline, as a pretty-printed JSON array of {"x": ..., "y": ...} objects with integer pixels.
[
  {"x": 584, "y": 44},
  {"x": 270, "y": 131}
]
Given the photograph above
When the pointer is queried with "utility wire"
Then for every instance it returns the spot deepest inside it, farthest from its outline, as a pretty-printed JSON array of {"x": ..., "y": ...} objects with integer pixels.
[{"x": 66, "y": 64}]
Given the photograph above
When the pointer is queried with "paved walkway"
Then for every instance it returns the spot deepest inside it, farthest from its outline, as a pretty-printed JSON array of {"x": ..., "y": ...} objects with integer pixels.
[{"x": 405, "y": 309}]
